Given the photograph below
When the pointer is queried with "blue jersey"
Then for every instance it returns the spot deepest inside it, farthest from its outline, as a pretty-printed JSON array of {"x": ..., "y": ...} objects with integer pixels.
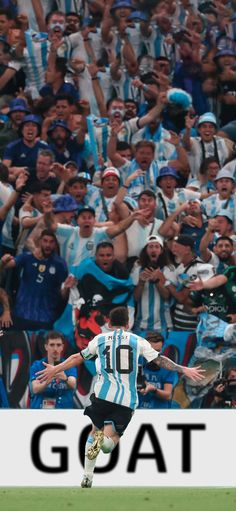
[
  {"x": 38, "y": 297},
  {"x": 57, "y": 394},
  {"x": 66, "y": 88},
  {"x": 72, "y": 152},
  {"x": 21, "y": 155},
  {"x": 157, "y": 378},
  {"x": 117, "y": 365}
]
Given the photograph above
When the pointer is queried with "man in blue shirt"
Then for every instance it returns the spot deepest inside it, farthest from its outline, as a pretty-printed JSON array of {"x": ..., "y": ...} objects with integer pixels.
[
  {"x": 156, "y": 386},
  {"x": 59, "y": 392},
  {"x": 23, "y": 152},
  {"x": 55, "y": 83},
  {"x": 63, "y": 145},
  {"x": 39, "y": 297}
]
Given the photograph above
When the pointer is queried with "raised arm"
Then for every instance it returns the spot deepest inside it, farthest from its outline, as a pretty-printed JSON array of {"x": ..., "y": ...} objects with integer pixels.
[
  {"x": 112, "y": 153},
  {"x": 207, "y": 239},
  {"x": 39, "y": 15}
]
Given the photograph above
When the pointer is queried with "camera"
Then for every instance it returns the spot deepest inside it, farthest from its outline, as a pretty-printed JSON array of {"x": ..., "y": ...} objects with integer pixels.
[
  {"x": 228, "y": 395},
  {"x": 180, "y": 34},
  {"x": 140, "y": 378}
]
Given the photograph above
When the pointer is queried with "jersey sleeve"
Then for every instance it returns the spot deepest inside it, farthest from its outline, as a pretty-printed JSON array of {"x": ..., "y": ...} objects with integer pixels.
[
  {"x": 91, "y": 349},
  {"x": 147, "y": 351}
]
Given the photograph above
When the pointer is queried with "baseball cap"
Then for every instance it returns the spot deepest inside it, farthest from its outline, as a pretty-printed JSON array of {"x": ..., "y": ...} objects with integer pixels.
[
  {"x": 65, "y": 203},
  {"x": 71, "y": 163},
  {"x": 207, "y": 117},
  {"x": 120, "y": 4},
  {"x": 185, "y": 240},
  {"x": 88, "y": 209},
  {"x": 224, "y": 52},
  {"x": 32, "y": 118},
  {"x": 84, "y": 176},
  {"x": 58, "y": 124},
  {"x": 224, "y": 212},
  {"x": 153, "y": 238},
  {"x": 224, "y": 174},
  {"x": 138, "y": 15},
  {"x": 110, "y": 171},
  {"x": 18, "y": 105},
  {"x": 167, "y": 171}
]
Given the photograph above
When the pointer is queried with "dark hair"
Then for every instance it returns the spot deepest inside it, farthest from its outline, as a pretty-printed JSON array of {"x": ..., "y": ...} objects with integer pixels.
[
  {"x": 43, "y": 105},
  {"x": 147, "y": 192},
  {"x": 154, "y": 336},
  {"x": 50, "y": 14},
  {"x": 73, "y": 13},
  {"x": 4, "y": 173},
  {"x": 48, "y": 232},
  {"x": 6, "y": 12},
  {"x": 205, "y": 163},
  {"x": 130, "y": 100},
  {"x": 53, "y": 334},
  {"x": 64, "y": 97},
  {"x": 148, "y": 79},
  {"x": 119, "y": 316},
  {"x": 39, "y": 187},
  {"x": 224, "y": 238},
  {"x": 104, "y": 244},
  {"x": 145, "y": 143},
  {"x": 76, "y": 179},
  {"x": 110, "y": 101},
  {"x": 144, "y": 260},
  {"x": 122, "y": 145}
]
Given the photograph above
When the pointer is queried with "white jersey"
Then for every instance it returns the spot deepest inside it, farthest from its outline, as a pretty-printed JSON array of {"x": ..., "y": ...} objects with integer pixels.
[
  {"x": 25, "y": 7},
  {"x": 200, "y": 150},
  {"x": 117, "y": 365},
  {"x": 153, "y": 312},
  {"x": 67, "y": 6},
  {"x": 137, "y": 235},
  {"x": 5, "y": 193},
  {"x": 167, "y": 206},
  {"x": 74, "y": 248}
]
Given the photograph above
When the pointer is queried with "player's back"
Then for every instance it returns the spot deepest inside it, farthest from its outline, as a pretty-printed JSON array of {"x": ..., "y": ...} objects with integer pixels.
[{"x": 117, "y": 366}]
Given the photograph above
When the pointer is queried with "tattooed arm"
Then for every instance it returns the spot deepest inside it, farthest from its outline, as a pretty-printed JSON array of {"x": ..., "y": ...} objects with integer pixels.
[{"x": 194, "y": 373}]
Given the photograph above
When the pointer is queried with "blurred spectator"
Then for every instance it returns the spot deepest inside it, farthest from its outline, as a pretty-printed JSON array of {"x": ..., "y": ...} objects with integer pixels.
[
  {"x": 156, "y": 387},
  {"x": 150, "y": 294},
  {"x": 59, "y": 393},
  {"x": 38, "y": 301}
]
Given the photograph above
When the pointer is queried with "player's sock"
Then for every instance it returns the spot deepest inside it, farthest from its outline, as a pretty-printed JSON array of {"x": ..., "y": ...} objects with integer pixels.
[
  {"x": 89, "y": 465},
  {"x": 108, "y": 445}
]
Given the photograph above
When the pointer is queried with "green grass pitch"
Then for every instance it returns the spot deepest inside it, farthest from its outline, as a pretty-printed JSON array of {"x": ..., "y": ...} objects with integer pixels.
[{"x": 118, "y": 499}]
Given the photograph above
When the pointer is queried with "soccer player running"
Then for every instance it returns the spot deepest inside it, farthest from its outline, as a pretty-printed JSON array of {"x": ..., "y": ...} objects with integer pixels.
[{"x": 115, "y": 393}]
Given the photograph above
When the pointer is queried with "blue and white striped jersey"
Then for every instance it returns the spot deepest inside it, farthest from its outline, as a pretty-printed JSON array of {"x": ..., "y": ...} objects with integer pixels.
[
  {"x": 67, "y": 6},
  {"x": 117, "y": 365},
  {"x": 153, "y": 312},
  {"x": 74, "y": 248},
  {"x": 213, "y": 205}
]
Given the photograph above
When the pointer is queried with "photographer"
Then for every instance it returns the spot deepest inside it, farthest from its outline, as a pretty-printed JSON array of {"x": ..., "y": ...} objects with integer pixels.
[
  {"x": 154, "y": 384},
  {"x": 225, "y": 390}
]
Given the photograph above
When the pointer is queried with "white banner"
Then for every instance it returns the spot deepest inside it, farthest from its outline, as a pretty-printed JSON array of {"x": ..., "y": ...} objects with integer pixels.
[{"x": 159, "y": 448}]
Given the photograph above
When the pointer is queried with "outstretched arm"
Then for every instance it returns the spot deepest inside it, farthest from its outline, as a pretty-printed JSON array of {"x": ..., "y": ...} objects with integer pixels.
[
  {"x": 194, "y": 373},
  {"x": 49, "y": 373}
]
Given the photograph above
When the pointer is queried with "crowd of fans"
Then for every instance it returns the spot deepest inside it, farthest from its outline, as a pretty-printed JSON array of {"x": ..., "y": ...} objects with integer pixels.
[{"x": 117, "y": 182}]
